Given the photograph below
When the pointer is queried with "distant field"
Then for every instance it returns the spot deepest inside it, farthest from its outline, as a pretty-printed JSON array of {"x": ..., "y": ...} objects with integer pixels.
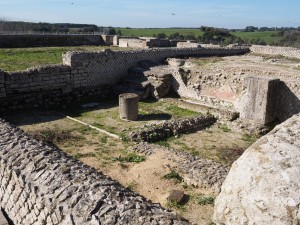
[
  {"x": 13, "y": 59},
  {"x": 266, "y": 36},
  {"x": 149, "y": 32}
]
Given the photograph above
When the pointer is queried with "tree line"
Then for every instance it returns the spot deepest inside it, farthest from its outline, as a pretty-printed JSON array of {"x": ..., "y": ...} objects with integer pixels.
[{"x": 19, "y": 26}]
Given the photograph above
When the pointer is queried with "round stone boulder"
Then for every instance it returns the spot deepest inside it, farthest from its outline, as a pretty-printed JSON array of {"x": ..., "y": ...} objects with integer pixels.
[{"x": 263, "y": 185}]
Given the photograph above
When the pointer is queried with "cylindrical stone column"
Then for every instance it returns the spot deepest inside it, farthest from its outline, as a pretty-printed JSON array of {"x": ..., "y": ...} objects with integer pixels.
[{"x": 128, "y": 106}]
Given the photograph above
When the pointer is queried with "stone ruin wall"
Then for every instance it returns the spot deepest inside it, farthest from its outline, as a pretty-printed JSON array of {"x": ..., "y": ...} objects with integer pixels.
[
  {"x": 223, "y": 91},
  {"x": 40, "y": 184},
  {"x": 219, "y": 89},
  {"x": 82, "y": 75},
  {"x": 132, "y": 43},
  {"x": 35, "y": 40},
  {"x": 109, "y": 66},
  {"x": 273, "y": 50}
]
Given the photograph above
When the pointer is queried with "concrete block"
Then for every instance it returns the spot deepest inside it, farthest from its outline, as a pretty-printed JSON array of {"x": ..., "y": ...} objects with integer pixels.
[{"x": 258, "y": 104}]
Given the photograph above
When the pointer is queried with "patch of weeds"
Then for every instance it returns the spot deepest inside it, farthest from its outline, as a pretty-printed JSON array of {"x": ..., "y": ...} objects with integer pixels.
[
  {"x": 132, "y": 185},
  {"x": 124, "y": 137},
  {"x": 112, "y": 144},
  {"x": 163, "y": 143},
  {"x": 106, "y": 128},
  {"x": 186, "y": 148},
  {"x": 173, "y": 175},
  {"x": 175, "y": 205},
  {"x": 225, "y": 128},
  {"x": 130, "y": 157},
  {"x": 103, "y": 139},
  {"x": 205, "y": 200},
  {"x": 84, "y": 129},
  {"x": 79, "y": 155},
  {"x": 180, "y": 112},
  {"x": 54, "y": 136},
  {"x": 249, "y": 138}
]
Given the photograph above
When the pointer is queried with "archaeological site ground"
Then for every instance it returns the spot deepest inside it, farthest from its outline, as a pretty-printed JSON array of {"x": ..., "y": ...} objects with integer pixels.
[{"x": 193, "y": 134}]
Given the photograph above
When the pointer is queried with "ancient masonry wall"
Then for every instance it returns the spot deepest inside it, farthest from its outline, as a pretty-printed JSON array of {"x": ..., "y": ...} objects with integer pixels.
[
  {"x": 42, "y": 185},
  {"x": 34, "y": 40},
  {"x": 272, "y": 50},
  {"x": 82, "y": 75},
  {"x": 108, "y": 67}
]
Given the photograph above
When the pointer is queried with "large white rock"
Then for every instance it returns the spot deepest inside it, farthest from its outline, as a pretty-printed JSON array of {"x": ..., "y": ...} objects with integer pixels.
[{"x": 263, "y": 185}]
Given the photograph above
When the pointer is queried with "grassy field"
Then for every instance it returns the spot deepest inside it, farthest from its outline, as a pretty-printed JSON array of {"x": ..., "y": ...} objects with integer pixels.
[
  {"x": 265, "y": 36},
  {"x": 138, "y": 32},
  {"x": 13, "y": 59},
  {"x": 149, "y": 32}
]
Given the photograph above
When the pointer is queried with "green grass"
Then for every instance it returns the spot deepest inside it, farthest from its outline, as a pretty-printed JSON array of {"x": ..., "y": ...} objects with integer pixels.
[
  {"x": 206, "y": 200},
  {"x": 249, "y": 138},
  {"x": 225, "y": 128},
  {"x": 175, "y": 205},
  {"x": 173, "y": 175},
  {"x": 130, "y": 157},
  {"x": 265, "y": 36},
  {"x": 79, "y": 155},
  {"x": 14, "y": 59},
  {"x": 149, "y": 32}
]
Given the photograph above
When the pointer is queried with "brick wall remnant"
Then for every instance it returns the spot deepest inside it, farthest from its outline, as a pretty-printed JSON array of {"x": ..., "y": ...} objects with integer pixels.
[{"x": 40, "y": 184}]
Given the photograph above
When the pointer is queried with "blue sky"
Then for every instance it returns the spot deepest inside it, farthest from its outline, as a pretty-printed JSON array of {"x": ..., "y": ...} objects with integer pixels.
[{"x": 155, "y": 13}]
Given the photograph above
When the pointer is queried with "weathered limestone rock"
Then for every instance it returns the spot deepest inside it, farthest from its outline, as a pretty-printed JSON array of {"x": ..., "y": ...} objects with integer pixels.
[
  {"x": 258, "y": 104},
  {"x": 263, "y": 185},
  {"x": 128, "y": 105}
]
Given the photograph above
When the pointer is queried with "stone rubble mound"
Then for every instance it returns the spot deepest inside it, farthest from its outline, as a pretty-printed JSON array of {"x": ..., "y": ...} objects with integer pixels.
[{"x": 172, "y": 128}]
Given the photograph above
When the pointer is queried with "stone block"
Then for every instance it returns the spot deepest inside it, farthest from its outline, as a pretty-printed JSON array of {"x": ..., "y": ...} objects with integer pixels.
[{"x": 258, "y": 103}]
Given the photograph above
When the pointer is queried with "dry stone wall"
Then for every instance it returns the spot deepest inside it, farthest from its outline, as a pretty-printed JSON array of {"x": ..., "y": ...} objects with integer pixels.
[
  {"x": 42, "y": 185},
  {"x": 39, "y": 79},
  {"x": 34, "y": 40},
  {"x": 273, "y": 50},
  {"x": 108, "y": 67}
]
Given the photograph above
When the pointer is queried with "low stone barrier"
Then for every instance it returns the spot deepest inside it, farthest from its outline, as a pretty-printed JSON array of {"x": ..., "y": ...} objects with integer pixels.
[{"x": 172, "y": 128}]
